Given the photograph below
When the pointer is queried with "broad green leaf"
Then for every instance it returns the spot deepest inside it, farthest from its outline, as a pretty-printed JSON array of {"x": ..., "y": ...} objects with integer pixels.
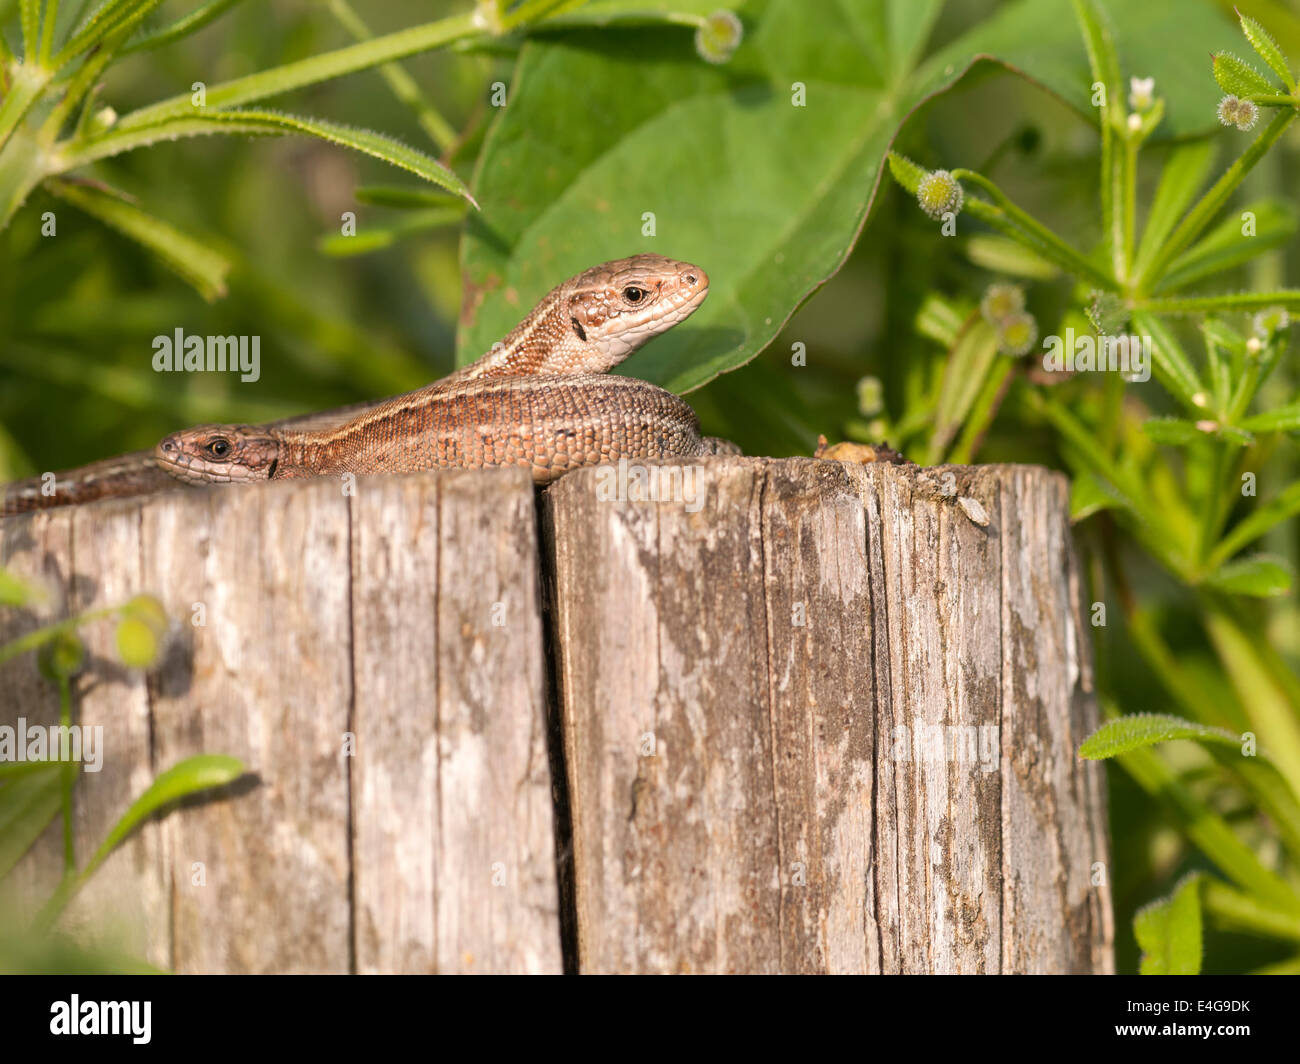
[
  {"x": 1183, "y": 175},
  {"x": 268, "y": 123},
  {"x": 1226, "y": 246},
  {"x": 1267, "y": 48},
  {"x": 1169, "y": 932},
  {"x": 1147, "y": 729},
  {"x": 1283, "y": 419},
  {"x": 1169, "y": 361},
  {"x": 28, "y": 802},
  {"x": 1260, "y": 577},
  {"x": 761, "y": 170},
  {"x": 202, "y": 266}
]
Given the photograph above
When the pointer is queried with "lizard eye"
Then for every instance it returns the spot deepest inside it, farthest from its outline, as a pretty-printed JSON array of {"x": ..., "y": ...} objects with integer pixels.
[
  {"x": 219, "y": 448},
  {"x": 633, "y": 294}
]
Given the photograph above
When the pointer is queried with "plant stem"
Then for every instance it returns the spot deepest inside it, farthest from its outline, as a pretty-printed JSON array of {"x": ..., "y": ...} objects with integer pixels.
[
  {"x": 1235, "y": 909},
  {"x": 402, "y": 85},
  {"x": 1027, "y": 230},
  {"x": 1288, "y": 298},
  {"x": 1207, "y": 830},
  {"x": 318, "y": 68},
  {"x": 1203, "y": 213},
  {"x": 47, "y": 31}
]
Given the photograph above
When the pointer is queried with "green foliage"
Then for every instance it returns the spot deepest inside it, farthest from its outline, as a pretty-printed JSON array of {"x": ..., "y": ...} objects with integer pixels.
[
  {"x": 33, "y": 793},
  {"x": 1169, "y": 932}
]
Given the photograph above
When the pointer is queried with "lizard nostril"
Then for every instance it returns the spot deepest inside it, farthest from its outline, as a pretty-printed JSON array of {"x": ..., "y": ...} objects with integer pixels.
[
  {"x": 168, "y": 444},
  {"x": 691, "y": 278}
]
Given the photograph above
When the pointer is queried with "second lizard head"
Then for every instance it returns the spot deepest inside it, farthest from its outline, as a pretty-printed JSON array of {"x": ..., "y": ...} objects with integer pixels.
[{"x": 217, "y": 454}]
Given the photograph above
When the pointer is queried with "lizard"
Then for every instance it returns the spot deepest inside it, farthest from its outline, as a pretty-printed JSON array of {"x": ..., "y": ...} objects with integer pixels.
[{"x": 580, "y": 329}]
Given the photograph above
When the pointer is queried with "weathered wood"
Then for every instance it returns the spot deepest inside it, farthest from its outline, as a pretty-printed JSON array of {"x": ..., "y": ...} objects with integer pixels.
[
  {"x": 751, "y": 695},
  {"x": 400, "y": 814},
  {"x": 753, "y": 685}
]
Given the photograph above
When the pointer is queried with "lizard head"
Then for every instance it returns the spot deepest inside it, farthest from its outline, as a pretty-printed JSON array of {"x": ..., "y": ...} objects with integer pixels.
[
  {"x": 219, "y": 454},
  {"x": 595, "y": 320},
  {"x": 617, "y": 306}
]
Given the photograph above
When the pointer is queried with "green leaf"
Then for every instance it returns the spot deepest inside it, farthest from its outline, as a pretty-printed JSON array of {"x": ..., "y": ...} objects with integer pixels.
[
  {"x": 1261, "y": 577},
  {"x": 403, "y": 197},
  {"x": 1089, "y": 495},
  {"x": 1170, "y": 363},
  {"x": 203, "y": 267},
  {"x": 1226, "y": 246},
  {"x": 1267, "y": 48},
  {"x": 28, "y": 802},
  {"x": 268, "y": 123},
  {"x": 1238, "y": 78},
  {"x": 372, "y": 238},
  {"x": 768, "y": 197},
  {"x": 190, "y": 776},
  {"x": 111, "y": 17},
  {"x": 1282, "y": 419},
  {"x": 1178, "y": 432},
  {"x": 965, "y": 371},
  {"x": 1207, "y": 829},
  {"x": 30, "y": 17},
  {"x": 1147, "y": 729},
  {"x": 1169, "y": 932},
  {"x": 191, "y": 22},
  {"x": 13, "y": 591},
  {"x": 906, "y": 172},
  {"x": 1184, "y": 173},
  {"x": 199, "y": 773},
  {"x": 1000, "y": 254},
  {"x": 1270, "y": 514}
]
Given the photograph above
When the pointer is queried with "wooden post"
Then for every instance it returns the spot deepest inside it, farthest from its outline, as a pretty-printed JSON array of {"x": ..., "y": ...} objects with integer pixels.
[
  {"x": 806, "y": 717},
  {"x": 826, "y": 722}
]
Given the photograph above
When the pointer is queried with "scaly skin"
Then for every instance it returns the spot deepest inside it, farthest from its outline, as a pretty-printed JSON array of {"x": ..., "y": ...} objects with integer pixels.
[
  {"x": 548, "y": 425},
  {"x": 586, "y": 325}
]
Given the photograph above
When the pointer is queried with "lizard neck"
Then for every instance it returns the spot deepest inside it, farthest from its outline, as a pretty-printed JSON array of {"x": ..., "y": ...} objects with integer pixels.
[{"x": 544, "y": 343}]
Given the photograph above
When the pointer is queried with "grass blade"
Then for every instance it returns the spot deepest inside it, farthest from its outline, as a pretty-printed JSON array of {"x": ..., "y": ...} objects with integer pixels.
[
  {"x": 268, "y": 123},
  {"x": 201, "y": 266}
]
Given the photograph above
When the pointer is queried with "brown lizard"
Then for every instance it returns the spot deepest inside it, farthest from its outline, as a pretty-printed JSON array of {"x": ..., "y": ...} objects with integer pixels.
[{"x": 538, "y": 398}]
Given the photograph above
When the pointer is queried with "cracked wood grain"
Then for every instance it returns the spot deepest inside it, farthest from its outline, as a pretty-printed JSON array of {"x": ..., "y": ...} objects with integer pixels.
[
  {"x": 376, "y": 661},
  {"x": 832, "y": 730},
  {"x": 822, "y": 722}
]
